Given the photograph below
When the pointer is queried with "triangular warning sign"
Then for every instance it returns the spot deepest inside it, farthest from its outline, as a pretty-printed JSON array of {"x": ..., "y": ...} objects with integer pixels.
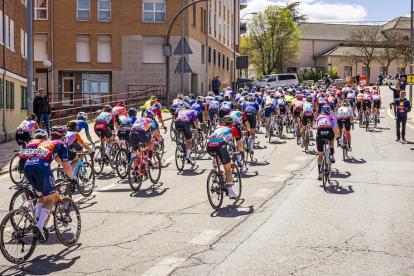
[
  {"x": 187, "y": 49},
  {"x": 187, "y": 68}
]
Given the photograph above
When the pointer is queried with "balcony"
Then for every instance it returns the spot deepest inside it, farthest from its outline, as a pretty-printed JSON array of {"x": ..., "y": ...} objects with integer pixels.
[{"x": 243, "y": 4}]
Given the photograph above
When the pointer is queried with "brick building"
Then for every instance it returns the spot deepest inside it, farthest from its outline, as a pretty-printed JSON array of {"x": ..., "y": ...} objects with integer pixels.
[
  {"x": 13, "y": 35},
  {"x": 99, "y": 47}
]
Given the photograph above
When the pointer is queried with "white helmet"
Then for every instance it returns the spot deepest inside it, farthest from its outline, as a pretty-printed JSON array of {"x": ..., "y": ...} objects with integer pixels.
[
  {"x": 82, "y": 115},
  {"x": 40, "y": 133},
  {"x": 228, "y": 88}
]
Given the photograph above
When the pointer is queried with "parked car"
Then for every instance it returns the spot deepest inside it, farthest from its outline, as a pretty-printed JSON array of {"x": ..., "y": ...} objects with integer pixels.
[{"x": 276, "y": 80}]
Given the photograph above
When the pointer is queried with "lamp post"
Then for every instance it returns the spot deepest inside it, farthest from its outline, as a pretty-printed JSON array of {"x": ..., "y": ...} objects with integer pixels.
[{"x": 47, "y": 64}]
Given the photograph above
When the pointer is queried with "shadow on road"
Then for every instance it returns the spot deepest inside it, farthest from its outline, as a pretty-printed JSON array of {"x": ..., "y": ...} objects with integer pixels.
[
  {"x": 153, "y": 191},
  {"x": 245, "y": 174},
  {"x": 86, "y": 202},
  {"x": 233, "y": 210},
  {"x": 335, "y": 188},
  {"x": 255, "y": 163},
  {"x": 352, "y": 160},
  {"x": 276, "y": 142},
  {"x": 44, "y": 264},
  {"x": 336, "y": 174},
  {"x": 192, "y": 172}
]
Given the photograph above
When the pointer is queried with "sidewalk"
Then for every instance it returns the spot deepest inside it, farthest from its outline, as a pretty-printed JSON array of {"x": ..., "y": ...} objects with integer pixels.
[{"x": 9, "y": 149}]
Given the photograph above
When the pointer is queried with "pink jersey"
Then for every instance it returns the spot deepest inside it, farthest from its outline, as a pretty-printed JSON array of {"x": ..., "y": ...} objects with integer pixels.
[
  {"x": 326, "y": 121},
  {"x": 119, "y": 110},
  {"x": 27, "y": 126}
]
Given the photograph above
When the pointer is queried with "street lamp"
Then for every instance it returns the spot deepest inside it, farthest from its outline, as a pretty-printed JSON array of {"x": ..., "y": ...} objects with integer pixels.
[{"x": 47, "y": 64}]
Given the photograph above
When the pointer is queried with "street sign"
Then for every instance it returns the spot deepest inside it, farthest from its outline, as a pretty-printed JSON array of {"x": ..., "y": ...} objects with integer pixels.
[
  {"x": 410, "y": 79},
  {"x": 187, "y": 68},
  {"x": 187, "y": 49}
]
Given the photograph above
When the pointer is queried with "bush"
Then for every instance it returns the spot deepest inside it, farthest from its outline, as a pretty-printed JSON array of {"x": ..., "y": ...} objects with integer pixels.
[
  {"x": 316, "y": 75},
  {"x": 165, "y": 111}
]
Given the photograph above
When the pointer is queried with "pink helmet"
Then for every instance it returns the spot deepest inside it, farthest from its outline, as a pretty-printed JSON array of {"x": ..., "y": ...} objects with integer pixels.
[{"x": 120, "y": 102}]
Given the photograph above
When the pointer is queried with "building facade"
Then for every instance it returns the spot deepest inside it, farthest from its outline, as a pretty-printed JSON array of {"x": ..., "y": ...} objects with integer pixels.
[
  {"x": 13, "y": 66},
  {"x": 99, "y": 47}
]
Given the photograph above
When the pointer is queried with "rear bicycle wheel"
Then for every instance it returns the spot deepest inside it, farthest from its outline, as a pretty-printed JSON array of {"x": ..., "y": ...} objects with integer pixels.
[
  {"x": 67, "y": 221},
  {"x": 214, "y": 190},
  {"x": 154, "y": 172},
  {"x": 172, "y": 132},
  {"x": 86, "y": 177},
  {"x": 16, "y": 176},
  {"x": 325, "y": 178},
  {"x": 122, "y": 163},
  {"x": 179, "y": 157},
  {"x": 134, "y": 178},
  {"x": 112, "y": 155},
  {"x": 99, "y": 160},
  {"x": 298, "y": 137},
  {"x": 237, "y": 182},
  {"x": 19, "y": 200},
  {"x": 367, "y": 124},
  {"x": 160, "y": 148},
  {"x": 17, "y": 241}
]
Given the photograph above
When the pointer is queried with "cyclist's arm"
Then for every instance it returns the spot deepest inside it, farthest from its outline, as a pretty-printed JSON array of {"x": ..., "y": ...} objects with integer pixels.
[
  {"x": 82, "y": 143},
  {"x": 67, "y": 169},
  {"x": 157, "y": 134},
  {"x": 36, "y": 126}
]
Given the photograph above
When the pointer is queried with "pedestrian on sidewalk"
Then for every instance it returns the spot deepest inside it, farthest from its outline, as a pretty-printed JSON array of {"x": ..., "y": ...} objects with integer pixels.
[
  {"x": 215, "y": 85},
  {"x": 41, "y": 108},
  {"x": 403, "y": 107},
  {"x": 357, "y": 77},
  {"x": 396, "y": 95}
]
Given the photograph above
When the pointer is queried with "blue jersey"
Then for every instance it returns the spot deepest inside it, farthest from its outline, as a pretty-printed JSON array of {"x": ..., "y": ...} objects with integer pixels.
[
  {"x": 251, "y": 108},
  {"x": 402, "y": 106},
  {"x": 128, "y": 121},
  {"x": 227, "y": 106},
  {"x": 83, "y": 125},
  {"x": 198, "y": 108},
  {"x": 214, "y": 105},
  {"x": 191, "y": 102}
]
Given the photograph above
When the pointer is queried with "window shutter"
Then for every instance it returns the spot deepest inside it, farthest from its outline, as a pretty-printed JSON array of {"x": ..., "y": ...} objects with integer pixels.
[
  {"x": 104, "y": 48},
  {"x": 40, "y": 47},
  {"x": 7, "y": 94},
  {"x": 152, "y": 49},
  {"x": 22, "y": 43},
  {"x": 25, "y": 98},
  {"x": 21, "y": 97},
  {"x": 11, "y": 34},
  {"x": 1, "y": 94},
  {"x": 1, "y": 26},
  {"x": 11, "y": 95},
  {"x": 83, "y": 49}
]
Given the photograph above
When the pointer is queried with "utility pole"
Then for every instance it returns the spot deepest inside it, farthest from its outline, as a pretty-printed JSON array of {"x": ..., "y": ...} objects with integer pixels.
[
  {"x": 30, "y": 56},
  {"x": 4, "y": 73},
  {"x": 235, "y": 10},
  {"x": 182, "y": 48},
  {"x": 410, "y": 97}
]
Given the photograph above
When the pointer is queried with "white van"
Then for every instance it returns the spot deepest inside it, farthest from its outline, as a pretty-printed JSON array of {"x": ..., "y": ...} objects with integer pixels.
[{"x": 276, "y": 80}]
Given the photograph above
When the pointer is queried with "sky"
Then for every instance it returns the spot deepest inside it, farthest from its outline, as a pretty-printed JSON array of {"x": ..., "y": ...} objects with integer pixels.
[{"x": 341, "y": 11}]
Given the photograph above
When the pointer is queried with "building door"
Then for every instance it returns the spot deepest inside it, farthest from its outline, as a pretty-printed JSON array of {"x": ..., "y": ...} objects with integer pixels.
[
  {"x": 94, "y": 85},
  {"x": 68, "y": 88},
  {"x": 194, "y": 84}
]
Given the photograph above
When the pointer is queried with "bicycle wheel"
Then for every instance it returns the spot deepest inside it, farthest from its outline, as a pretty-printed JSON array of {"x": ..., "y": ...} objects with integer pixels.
[
  {"x": 154, "y": 172},
  {"x": 237, "y": 182},
  {"x": 214, "y": 190},
  {"x": 344, "y": 151},
  {"x": 325, "y": 171},
  {"x": 160, "y": 148},
  {"x": 19, "y": 200},
  {"x": 280, "y": 131},
  {"x": 17, "y": 241},
  {"x": 16, "y": 176},
  {"x": 99, "y": 160},
  {"x": 298, "y": 137},
  {"x": 179, "y": 157},
  {"x": 134, "y": 178},
  {"x": 86, "y": 178},
  {"x": 172, "y": 132},
  {"x": 67, "y": 221},
  {"x": 375, "y": 121},
  {"x": 112, "y": 155},
  {"x": 307, "y": 141},
  {"x": 367, "y": 124},
  {"x": 65, "y": 188},
  {"x": 122, "y": 163}
]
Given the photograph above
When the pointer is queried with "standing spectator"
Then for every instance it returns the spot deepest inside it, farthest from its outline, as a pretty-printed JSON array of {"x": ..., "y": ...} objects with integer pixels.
[
  {"x": 215, "y": 84},
  {"x": 300, "y": 79},
  {"x": 397, "y": 76},
  {"x": 403, "y": 107},
  {"x": 41, "y": 108},
  {"x": 396, "y": 94},
  {"x": 403, "y": 84},
  {"x": 380, "y": 78},
  {"x": 357, "y": 77}
]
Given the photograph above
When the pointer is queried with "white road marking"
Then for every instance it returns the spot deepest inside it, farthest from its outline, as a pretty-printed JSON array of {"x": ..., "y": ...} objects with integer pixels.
[
  {"x": 108, "y": 187},
  {"x": 382, "y": 110},
  {"x": 168, "y": 159},
  {"x": 205, "y": 237},
  {"x": 411, "y": 127},
  {"x": 165, "y": 267},
  {"x": 280, "y": 178},
  {"x": 263, "y": 193},
  {"x": 301, "y": 158},
  {"x": 291, "y": 167},
  {"x": 389, "y": 113}
]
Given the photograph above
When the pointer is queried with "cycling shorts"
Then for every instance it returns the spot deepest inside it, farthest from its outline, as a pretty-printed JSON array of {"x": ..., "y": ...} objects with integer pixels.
[
  {"x": 346, "y": 123},
  {"x": 377, "y": 104},
  {"x": 220, "y": 151},
  {"x": 139, "y": 136},
  {"x": 23, "y": 138},
  {"x": 323, "y": 133},
  {"x": 306, "y": 119},
  {"x": 185, "y": 128},
  {"x": 282, "y": 109},
  {"x": 200, "y": 117},
  {"x": 71, "y": 154},
  {"x": 76, "y": 146},
  {"x": 223, "y": 113},
  {"x": 351, "y": 103},
  {"x": 252, "y": 121},
  {"x": 123, "y": 134},
  {"x": 296, "y": 113},
  {"x": 269, "y": 110},
  {"x": 358, "y": 105},
  {"x": 238, "y": 128},
  {"x": 103, "y": 130},
  {"x": 40, "y": 177},
  {"x": 365, "y": 105},
  {"x": 211, "y": 113}
]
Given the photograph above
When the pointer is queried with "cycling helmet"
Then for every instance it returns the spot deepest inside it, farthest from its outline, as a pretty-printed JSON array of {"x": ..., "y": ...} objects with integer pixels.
[
  {"x": 192, "y": 96},
  {"x": 326, "y": 109},
  {"x": 58, "y": 131},
  {"x": 148, "y": 113},
  {"x": 308, "y": 98},
  {"x": 108, "y": 108},
  {"x": 82, "y": 116},
  {"x": 40, "y": 133},
  {"x": 132, "y": 112},
  {"x": 220, "y": 98},
  {"x": 226, "y": 98},
  {"x": 180, "y": 96},
  {"x": 251, "y": 98},
  {"x": 300, "y": 97},
  {"x": 210, "y": 93},
  {"x": 227, "y": 121},
  {"x": 290, "y": 91},
  {"x": 245, "y": 93},
  {"x": 345, "y": 102},
  {"x": 72, "y": 126},
  {"x": 121, "y": 102},
  {"x": 186, "y": 105},
  {"x": 228, "y": 87},
  {"x": 32, "y": 116},
  {"x": 153, "y": 98},
  {"x": 272, "y": 95},
  {"x": 238, "y": 106},
  {"x": 241, "y": 90},
  {"x": 186, "y": 98},
  {"x": 200, "y": 99}
]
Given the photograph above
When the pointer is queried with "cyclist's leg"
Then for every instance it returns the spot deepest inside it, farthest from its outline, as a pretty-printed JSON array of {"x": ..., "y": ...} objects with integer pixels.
[{"x": 319, "y": 147}]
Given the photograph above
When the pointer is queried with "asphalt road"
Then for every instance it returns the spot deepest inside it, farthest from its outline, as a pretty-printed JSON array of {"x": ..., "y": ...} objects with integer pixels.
[{"x": 285, "y": 224}]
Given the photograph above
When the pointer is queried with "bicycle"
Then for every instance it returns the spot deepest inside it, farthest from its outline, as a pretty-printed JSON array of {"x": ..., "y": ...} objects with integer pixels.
[
  {"x": 139, "y": 170},
  {"x": 376, "y": 119},
  {"x": 367, "y": 120},
  {"x": 279, "y": 127},
  {"x": 307, "y": 135},
  {"x": 16, "y": 176},
  {"x": 18, "y": 239},
  {"x": 272, "y": 127},
  {"x": 217, "y": 187},
  {"x": 326, "y": 166},
  {"x": 123, "y": 157},
  {"x": 181, "y": 151},
  {"x": 299, "y": 131},
  {"x": 172, "y": 129},
  {"x": 102, "y": 158}
]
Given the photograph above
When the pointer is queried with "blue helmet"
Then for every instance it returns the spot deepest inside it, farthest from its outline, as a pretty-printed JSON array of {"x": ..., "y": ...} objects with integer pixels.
[
  {"x": 221, "y": 94},
  {"x": 326, "y": 109},
  {"x": 132, "y": 112},
  {"x": 148, "y": 113}
]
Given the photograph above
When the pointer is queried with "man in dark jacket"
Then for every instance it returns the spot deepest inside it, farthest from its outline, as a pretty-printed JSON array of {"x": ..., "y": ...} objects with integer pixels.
[
  {"x": 403, "y": 84},
  {"x": 396, "y": 94},
  {"x": 41, "y": 108},
  {"x": 403, "y": 107},
  {"x": 357, "y": 77}
]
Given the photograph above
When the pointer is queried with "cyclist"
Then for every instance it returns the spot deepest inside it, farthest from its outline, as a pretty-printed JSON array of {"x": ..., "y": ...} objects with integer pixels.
[
  {"x": 74, "y": 142},
  {"x": 39, "y": 135},
  {"x": 321, "y": 101},
  {"x": 125, "y": 127},
  {"x": 156, "y": 110},
  {"x": 351, "y": 98},
  {"x": 270, "y": 105},
  {"x": 327, "y": 129},
  {"x": 104, "y": 126},
  {"x": 377, "y": 103},
  {"x": 176, "y": 104},
  {"x": 142, "y": 131},
  {"x": 230, "y": 94},
  {"x": 297, "y": 109},
  {"x": 239, "y": 117},
  {"x": 199, "y": 109},
  {"x": 213, "y": 108},
  {"x": 282, "y": 105},
  {"x": 153, "y": 99},
  {"x": 119, "y": 109},
  {"x": 39, "y": 174},
  {"x": 82, "y": 124},
  {"x": 24, "y": 130},
  {"x": 217, "y": 144},
  {"x": 252, "y": 110},
  {"x": 345, "y": 117},
  {"x": 225, "y": 107},
  {"x": 309, "y": 112},
  {"x": 333, "y": 102},
  {"x": 366, "y": 104},
  {"x": 192, "y": 99},
  {"x": 358, "y": 104},
  {"x": 185, "y": 119}
]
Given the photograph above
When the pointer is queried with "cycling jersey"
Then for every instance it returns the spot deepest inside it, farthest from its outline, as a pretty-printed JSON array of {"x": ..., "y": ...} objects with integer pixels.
[
  {"x": 238, "y": 117},
  {"x": 321, "y": 102},
  {"x": 209, "y": 99},
  {"x": 289, "y": 98},
  {"x": 198, "y": 108},
  {"x": 25, "y": 153},
  {"x": 73, "y": 136},
  {"x": 326, "y": 121},
  {"x": 270, "y": 102},
  {"x": 106, "y": 117},
  {"x": 191, "y": 102},
  {"x": 332, "y": 102},
  {"x": 156, "y": 111},
  {"x": 251, "y": 108},
  {"x": 214, "y": 105},
  {"x": 27, "y": 126},
  {"x": 344, "y": 113},
  {"x": 222, "y": 134},
  {"x": 48, "y": 151},
  {"x": 297, "y": 106},
  {"x": 83, "y": 125},
  {"x": 359, "y": 98},
  {"x": 145, "y": 124},
  {"x": 367, "y": 98},
  {"x": 186, "y": 116},
  {"x": 229, "y": 93},
  {"x": 226, "y": 105},
  {"x": 351, "y": 96},
  {"x": 376, "y": 98},
  {"x": 119, "y": 110},
  {"x": 308, "y": 109}
]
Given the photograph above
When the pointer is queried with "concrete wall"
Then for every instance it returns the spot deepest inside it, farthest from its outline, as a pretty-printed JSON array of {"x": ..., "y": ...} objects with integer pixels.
[{"x": 309, "y": 48}]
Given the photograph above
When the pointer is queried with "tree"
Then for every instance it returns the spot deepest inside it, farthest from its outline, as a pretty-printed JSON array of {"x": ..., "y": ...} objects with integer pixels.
[
  {"x": 392, "y": 48},
  {"x": 273, "y": 41},
  {"x": 294, "y": 12}
]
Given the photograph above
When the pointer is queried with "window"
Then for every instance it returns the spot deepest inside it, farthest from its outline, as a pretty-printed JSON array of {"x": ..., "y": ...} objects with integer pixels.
[
  {"x": 104, "y": 48},
  {"x": 228, "y": 32},
  {"x": 224, "y": 62},
  {"x": 219, "y": 26},
  {"x": 40, "y": 9},
  {"x": 347, "y": 71},
  {"x": 9, "y": 95},
  {"x": 214, "y": 57},
  {"x": 232, "y": 6},
  {"x": 219, "y": 60},
  {"x": 209, "y": 54},
  {"x": 224, "y": 29},
  {"x": 364, "y": 71},
  {"x": 228, "y": 64},
  {"x": 83, "y": 48},
  {"x": 104, "y": 10},
  {"x": 23, "y": 97},
  {"x": 154, "y": 12},
  {"x": 203, "y": 54},
  {"x": 215, "y": 24},
  {"x": 152, "y": 49},
  {"x": 1, "y": 26},
  {"x": 40, "y": 47},
  {"x": 209, "y": 20},
  {"x": 11, "y": 34},
  {"x": 93, "y": 85},
  {"x": 83, "y": 10},
  {"x": 23, "y": 41},
  {"x": 232, "y": 35},
  {"x": 7, "y": 31},
  {"x": 194, "y": 15}
]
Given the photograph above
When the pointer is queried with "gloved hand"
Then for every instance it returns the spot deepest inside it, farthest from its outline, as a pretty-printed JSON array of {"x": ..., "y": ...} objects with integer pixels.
[{"x": 74, "y": 180}]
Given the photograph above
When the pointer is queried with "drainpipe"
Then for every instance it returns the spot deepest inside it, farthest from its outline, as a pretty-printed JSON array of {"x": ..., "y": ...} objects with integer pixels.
[
  {"x": 207, "y": 28},
  {"x": 4, "y": 72},
  {"x": 53, "y": 50}
]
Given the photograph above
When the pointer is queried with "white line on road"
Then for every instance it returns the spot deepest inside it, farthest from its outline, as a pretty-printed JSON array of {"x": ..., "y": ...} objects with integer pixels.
[
  {"x": 389, "y": 113},
  {"x": 169, "y": 159},
  {"x": 164, "y": 267},
  {"x": 263, "y": 193},
  {"x": 301, "y": 158},
  {"x": 411, "y": 127},
  {"x": 205, "y": 237},
  {"x": 108, "y": 187},
  {"x": 291, "y": 167},
  {"x": 280, "y": 178}
]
